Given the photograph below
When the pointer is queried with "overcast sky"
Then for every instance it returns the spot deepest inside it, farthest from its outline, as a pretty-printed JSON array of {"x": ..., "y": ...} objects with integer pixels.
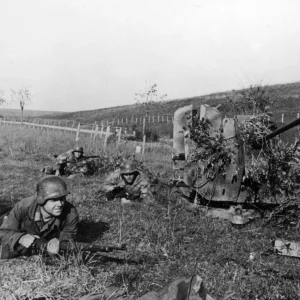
[{"x": 88, "y": 54}]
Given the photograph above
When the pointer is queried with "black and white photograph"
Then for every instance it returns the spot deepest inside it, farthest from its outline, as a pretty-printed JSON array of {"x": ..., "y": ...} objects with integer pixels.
[{"x": 149, "y": 150}]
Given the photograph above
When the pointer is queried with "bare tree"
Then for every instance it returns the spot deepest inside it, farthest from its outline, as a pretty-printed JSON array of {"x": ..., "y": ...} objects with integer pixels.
[
  {"x": 149, "y": 102},
  {"x": 23, "y": 96},
  {"x": 2, "y": 100}
]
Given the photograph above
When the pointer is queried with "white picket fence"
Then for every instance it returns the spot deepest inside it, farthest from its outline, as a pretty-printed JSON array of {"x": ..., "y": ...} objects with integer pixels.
[{"x": 103, "y": 132}]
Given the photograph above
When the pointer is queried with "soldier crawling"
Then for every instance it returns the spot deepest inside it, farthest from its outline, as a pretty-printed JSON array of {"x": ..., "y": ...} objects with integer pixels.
[
  {"x": 127, "y": 183},
  {"x": 71, "y": 162},
  {"x": 46, "y": 215}
]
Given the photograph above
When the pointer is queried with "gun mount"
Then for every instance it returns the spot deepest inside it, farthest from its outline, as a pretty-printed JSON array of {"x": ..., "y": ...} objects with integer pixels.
[{"x": 225, "y": 189}]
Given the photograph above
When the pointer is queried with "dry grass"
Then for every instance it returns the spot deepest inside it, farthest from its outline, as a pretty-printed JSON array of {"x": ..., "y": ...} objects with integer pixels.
[{"x": 169, "y": 240}]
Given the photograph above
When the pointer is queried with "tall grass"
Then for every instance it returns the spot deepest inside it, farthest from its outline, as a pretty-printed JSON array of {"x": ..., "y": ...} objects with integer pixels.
[{"x": 168, "y": 240}]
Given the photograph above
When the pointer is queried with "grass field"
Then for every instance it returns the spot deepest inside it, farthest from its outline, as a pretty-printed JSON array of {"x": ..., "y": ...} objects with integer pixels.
[
  {"x": 169, "y": 240},
  {"x": 16, "y": 113}
]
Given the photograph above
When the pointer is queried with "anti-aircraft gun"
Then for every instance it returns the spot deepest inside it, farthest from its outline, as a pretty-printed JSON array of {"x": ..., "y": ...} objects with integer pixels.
[{"x": 225, "y": 189}]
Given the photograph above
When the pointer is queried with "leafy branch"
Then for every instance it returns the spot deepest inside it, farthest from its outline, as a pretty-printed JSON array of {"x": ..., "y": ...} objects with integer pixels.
[{"x": 150, "y": 101}]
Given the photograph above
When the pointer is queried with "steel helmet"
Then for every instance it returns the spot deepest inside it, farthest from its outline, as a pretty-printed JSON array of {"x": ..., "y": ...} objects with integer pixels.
[
  {"x": 49, "y": 170},
  {"x": 50, "y": 187},
  {"x": 128, "y": 167},
  {"x": 78, "y": 149}
]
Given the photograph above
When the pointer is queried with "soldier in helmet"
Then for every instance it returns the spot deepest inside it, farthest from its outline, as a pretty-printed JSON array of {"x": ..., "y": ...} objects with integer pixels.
[
  {"x": 127, "y": 183},
  {"x": 67, "y": 163},
  {"x": 46, "y": 215}
]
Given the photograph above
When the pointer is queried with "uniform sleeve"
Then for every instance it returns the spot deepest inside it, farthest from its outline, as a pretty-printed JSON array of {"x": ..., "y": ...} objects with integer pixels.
[
  {"x": 10, "y": 230},
  {"x": 70, "y": 227}
]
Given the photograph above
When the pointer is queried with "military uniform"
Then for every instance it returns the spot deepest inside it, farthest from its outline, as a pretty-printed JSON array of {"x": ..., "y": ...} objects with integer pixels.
[
  {"x": 67, "y": 163},
  {"x": 25, "y": 218},
  {"x": 116, "y": 186},
  {"x": 139, "y": 190}
]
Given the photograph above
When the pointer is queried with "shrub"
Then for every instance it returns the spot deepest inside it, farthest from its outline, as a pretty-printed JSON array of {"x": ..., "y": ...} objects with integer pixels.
[{"x": 151, "y": 135}]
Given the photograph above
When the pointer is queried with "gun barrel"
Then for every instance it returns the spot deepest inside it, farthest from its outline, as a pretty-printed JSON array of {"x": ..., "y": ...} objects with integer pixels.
[
  {"x": 282, "y": 129},
  {"x": 65, "y": 245}
]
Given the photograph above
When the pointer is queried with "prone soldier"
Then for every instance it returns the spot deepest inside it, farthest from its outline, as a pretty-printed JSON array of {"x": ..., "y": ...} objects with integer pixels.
[
  {"x": 71, "y": 162},
  {"x": 46, "y": 215},
  {"x": 127, "y": 183}
]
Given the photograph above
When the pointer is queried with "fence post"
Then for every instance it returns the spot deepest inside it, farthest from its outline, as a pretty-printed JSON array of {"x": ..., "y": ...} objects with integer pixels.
[
  {"x": 106, "y": 135},
  {"x": 144, "y": 144},
  {"x": 162, "y": 118},
  {"x": 101, "y": 132},
  {"x": 282, "y": 118},
  {"x": 119, "y": 135},
  {"x": 96, "y": 132},
  {"x": 77, "y": 133},
  {"x": 157, "y": 118},
  {"x": 144, "y": 125},
  {"x": 298, "y": 115}
]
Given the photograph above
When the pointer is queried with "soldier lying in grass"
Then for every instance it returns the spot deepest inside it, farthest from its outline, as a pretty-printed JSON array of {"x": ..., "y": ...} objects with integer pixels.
[
  {"x": 127, "y": 183},
  {"x": 72, "y": 162},
  {"x": 47, "y": 216}
]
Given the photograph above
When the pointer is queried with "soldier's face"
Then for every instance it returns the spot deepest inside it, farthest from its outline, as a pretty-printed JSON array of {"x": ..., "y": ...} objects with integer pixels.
[
  {"x": 77, "y": 154},
  {"x": 54, "y": 207},
  {"x": 129, "y": 178}
]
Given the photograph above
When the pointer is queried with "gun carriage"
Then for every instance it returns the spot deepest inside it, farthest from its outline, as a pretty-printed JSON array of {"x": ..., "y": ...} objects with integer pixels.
[{"x": 225, "y": 189}]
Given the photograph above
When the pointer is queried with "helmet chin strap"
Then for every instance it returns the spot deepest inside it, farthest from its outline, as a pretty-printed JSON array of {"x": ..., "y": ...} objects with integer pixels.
[{"x": 46, "y": 214}]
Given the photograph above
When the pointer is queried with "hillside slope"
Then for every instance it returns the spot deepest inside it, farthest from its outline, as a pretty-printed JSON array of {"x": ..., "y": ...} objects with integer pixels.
[
  {"x": 287, "y": 98},
  {"x": 16, "y": 113}
]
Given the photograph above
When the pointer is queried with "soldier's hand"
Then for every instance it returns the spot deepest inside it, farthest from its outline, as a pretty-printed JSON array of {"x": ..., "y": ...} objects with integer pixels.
[
  {"x": 53, "y": 246},
  {"x": 125, "y": 201},
  {"x": 27, "y": 240}
]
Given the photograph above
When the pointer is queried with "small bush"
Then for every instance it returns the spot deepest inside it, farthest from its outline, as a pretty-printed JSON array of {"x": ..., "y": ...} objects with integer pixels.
[{"x": 151, "y": 135}]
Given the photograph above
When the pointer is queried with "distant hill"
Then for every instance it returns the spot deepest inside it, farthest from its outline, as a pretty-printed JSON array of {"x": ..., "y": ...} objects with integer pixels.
[
  {"x": 16, "y": 113},
  {"x": 287, "y": 101}
]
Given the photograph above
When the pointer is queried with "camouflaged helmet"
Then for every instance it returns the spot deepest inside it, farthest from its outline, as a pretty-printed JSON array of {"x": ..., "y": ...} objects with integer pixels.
[
  {"x": 128, "y": 167},
  {"x": 50, "y": 187},
  {"x": 78, "y": 149}
]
